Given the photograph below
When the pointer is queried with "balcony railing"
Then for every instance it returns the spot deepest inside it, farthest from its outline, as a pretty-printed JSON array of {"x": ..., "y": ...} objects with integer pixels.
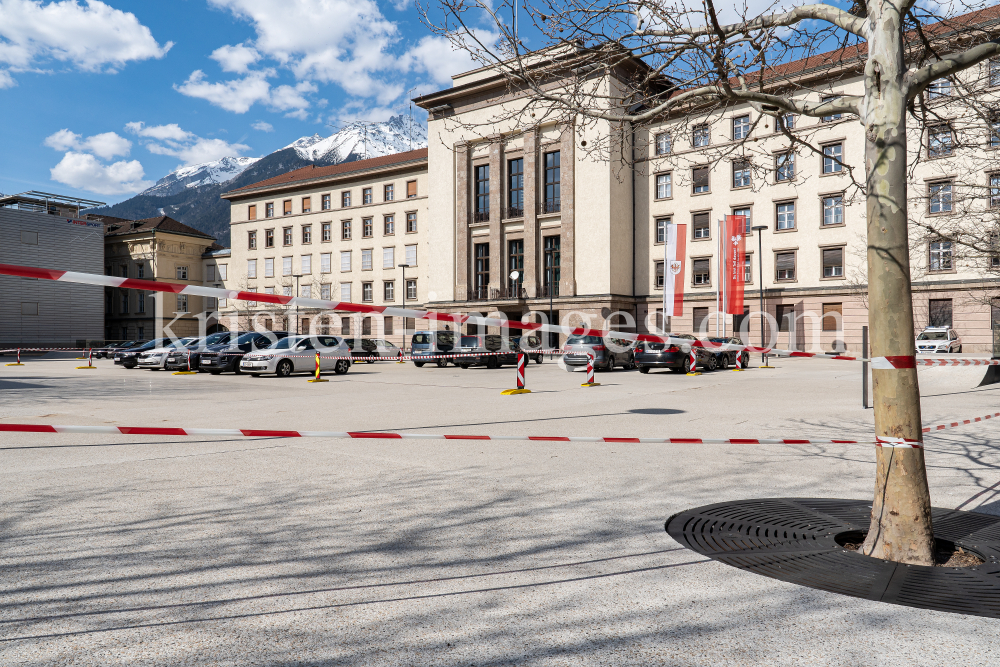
[
  {"x": 514, "y": 212},
  {"x": 481, "y": 216},
  {"x": 508, "y": 292},
  {"x": 550, "y": 205}
]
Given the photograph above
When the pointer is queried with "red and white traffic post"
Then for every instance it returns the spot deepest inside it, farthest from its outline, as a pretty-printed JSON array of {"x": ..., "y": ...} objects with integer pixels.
[
  {"x": 693, "y": 363},
  {"x": 18, "y": 359},
  {"x": 590, "y": 373},
  {"x": 522, "y": 363}
]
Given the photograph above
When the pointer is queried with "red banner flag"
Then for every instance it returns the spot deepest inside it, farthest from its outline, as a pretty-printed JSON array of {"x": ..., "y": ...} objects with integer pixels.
[
  {"x": 736, "y": 243},
  {"x": 673, "y": 270}
]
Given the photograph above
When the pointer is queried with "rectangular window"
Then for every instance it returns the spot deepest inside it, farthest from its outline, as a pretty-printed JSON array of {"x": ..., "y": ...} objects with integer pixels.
[
  {"x": 411, "y": 190},
  {"x": 833, "y": 262},
  {"x": 411, "y": 291},
  {"x": 411, "y": 255},
  {"x": 388, "y": 291},
  {"x": 784, "y": 264},
  {"x": 786, "y": 121},
  {"x": 325, "y": 262},
  {"x": 345, "y": 260},
  {"x": 345, "y": 199},
  {"x": 269, "y": 267},
  {"x": 785, "y": 214},
  {"x": 482, "y": 269},
  {"x": 994, "y": 191},
  {"x": 663, "y": 143},
  {"x": 306, "y": 293},
  {"x": 783, "y": 312},
  {"x": 745, "y": 214},
  {"x": 210, "y": 273},
  {"x": 515, "y": 262},
  {"x": 252, "y": 304},
  {"x": 482, "y": 177},
  {"x": 552, "y": 258},
  {"x": 182, "y": 303},
  {"x": 389, "y": 192},
  {"x": 995, "y": 131},
  {"x": 345, "y": 295},
  {"x": 833, "y": 156},
  {"x": 306, "y": 264},
  {"x": 700, "y": 136},
  {"x": 327, "y": 231},
  {"x": 367, "y": 228},
  {"x": 345, "y": 322},
  {"x": 223, "y": 271},
  {"x": 701, "y": 271},
  {"x": 741, "y": 174},
  {"x": 307, "y": 204},
  {"x": 741, "y": 127},
  {"x": 699, "y": 180},
  {"x": 938, "y": 89},
  {"x": 664, "y": 186},
  {"x": 268, "y": 238},
  {"x": 269, "y": 210},
  {"x": 286, "y": 207},
  {"x": 834, "y": 116},
  {"x": 124, "y": 309},
  {"x": 701, "y": 227},
  {"x": 252, "y": 240},
  {"x": 939, "y": 196},
  {"x": 124, "y": 267},
  {"x": 307, "y": 233},
  {"x": 833, "y": 210},
  {"x": 941, "y": 256},
  {"x": 940, "y": 141},
  {"x": 366, "y": 195},
  {"x": 286, "y": 266},
  {"x": 182, "y": 273},
  {"x": 661, "y": 229},
  {"x": 326, "y": 203},
  {"x": 658, "y": 273},
  {"x": 251, "y": 268},
  {"x": 553, "y": 178},
  {"x": 411, "y": 222},
  {"x": 784, "y": 167},
  {"x": 389, "y": 225},
  {"x": 286, "y": 290},
  {"x": 993, "y": 72},
  {"x": 142, "y": 303},
  {"x": 367, "y": 293},
  {"x": 388, "y": 258},
  {"x": 345, "y": 230},
  {"x": 939, "y": 311},
  {"x": 324, "y": 291},
  {"x": 387, "y": 325},
  {"x": 515, "y": 188},
  {"x": 699, "y": 319},
  {"x": 252, "y": 212},
  {"x": 366, "y": 260},
  {"x": 747, "y": 269},
  {"x": 140, "y": 270},
  {"x": 286, "y": 236}
]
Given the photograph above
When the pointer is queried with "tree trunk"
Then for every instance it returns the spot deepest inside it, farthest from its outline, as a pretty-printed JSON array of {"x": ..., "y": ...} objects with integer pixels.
[{"x": 901, "y": 510}]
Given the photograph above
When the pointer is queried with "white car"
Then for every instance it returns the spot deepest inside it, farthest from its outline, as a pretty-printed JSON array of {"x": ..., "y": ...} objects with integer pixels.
[
  {"x": 297, "y": 354},
  {"x": 938, "y": 339},
  {"x": 157, "y": 357}
]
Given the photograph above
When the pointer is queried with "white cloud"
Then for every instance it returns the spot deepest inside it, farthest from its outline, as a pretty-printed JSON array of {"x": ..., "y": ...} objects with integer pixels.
[
  {"x": 237, "y": 95},
  {"x": 106, "y": 145},
  {"x": 173, "y": 140},
  {"x": 93, "y": 37},
  {"x": 6, "y": 80},
  {"x": 439, "y": 59},
  {"x": 172, "y": 131},
  {"x": 85, "y": 172},
  {"x": 262, "y": 126},
  {"x": 235, "y": 58}
]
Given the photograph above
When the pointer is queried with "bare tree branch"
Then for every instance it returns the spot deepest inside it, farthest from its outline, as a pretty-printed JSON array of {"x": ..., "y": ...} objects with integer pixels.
[
  {"x": 820, "y": 12},
  {"x": 917, "y": 81}
]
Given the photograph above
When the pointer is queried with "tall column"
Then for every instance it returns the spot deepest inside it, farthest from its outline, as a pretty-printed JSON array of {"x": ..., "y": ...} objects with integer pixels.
[
  {"x": 532, "y": 265},
  {"x": 497, "y": 270},
  {"x": 567, "y": 177},
  {"x": 461, "y": 221}
]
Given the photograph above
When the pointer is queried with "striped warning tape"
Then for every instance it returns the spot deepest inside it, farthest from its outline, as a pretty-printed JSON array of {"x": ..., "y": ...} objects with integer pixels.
[{"x": 964, "y": 422}]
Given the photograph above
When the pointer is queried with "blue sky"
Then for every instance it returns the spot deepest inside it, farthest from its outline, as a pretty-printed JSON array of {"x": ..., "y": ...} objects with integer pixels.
[{"x": 100, "y": 99}]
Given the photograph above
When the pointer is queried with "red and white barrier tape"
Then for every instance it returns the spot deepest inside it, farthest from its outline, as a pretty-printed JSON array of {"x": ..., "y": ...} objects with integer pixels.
[{"x": 964, "y": 422}]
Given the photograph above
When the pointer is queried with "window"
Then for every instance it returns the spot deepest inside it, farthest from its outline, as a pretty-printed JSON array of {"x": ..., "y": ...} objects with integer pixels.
[
  {"x": 699, "y": 180},
  {"x": 411, "y": 255},
  {"x": 387, "y": 326},
  {"x": 286, "y": 236},
  {"x": 109, "y": 302},
  {"x": 833, "y": 155},
  {"x": 515, "y": 188},
  {"x": 784, "y": 265},
  {"x": 269, "y": 267},
  {"x": 252, "y": 304},
  {"x": 747, "y": 268},
  {"x": 745, "y": 213},
  {"x": 124, "y": 267},
  {"x": 515, "y": 262},
  {"x": 938, "y": 89},
  {"x": 699, "y": 319},
  {"x": 663, "y": 143},
  {"x": 307, "y": 233},
  {"x": 269, "y": 210},
  {"x": 741, "y": 127},
  {"x": 940, "y": 141},
  {"x": 411, "y": 291},
  {"x": 939, "y": 195},
  {"x": 834, "y": 116},
  {"x": 786, "y": 121},
  {"x": 326, "y": 203},
  {"x": 664, "y": 186},
  {"x": 327, "y": 231},
  {"x": 345, "y": 295},
  {"x": 833, "y": 210},
  {"x": 223, "y": 271},
  {"x": 699, "y": 135},
  {"x": 286, "y": 207},
  {"x": 411, "y": 190},
  {"x": 939, "y": 311},
  {"x": 994, "y": 192},
  {"x": 210, "y": 273},
  {"x": 140, "y": 270},
  {"x": 269, "y": 290},
  {"x": 182, "y": 273},
  {"x": 701, "y": 227},
  {"x": 833, "y": 262},
  {"x": 252, "y": 212},
  {"x": 388, "y": 258},
  {"x": 182, "y": 303},
  {"x": 345, "y": 260},
  {"x": 345, "y": 324},
  {"x": 553, "y": 273},
  {"x": 367, "y": 294},
  {"x": 286, "y": 290},
  {"x": 941, "y": 256},
  {"x": 306, "y": 292},
  {"x": 345, "y": 230},
  {"x": 482, "y": 268},
  {"x": 252, "y": 240},
  {"x": 251, "y": 268},
  {"x": 389, "y": 225},
  {"x": 784, "y": 167},
  {"x": 268, "y": 238},
  {"x": 388, "y": 291},
  {"x": 993, "y": 72},
  {"x": 366, "y": 195},
  {"x": 552, "y": 183},
  {"x": 411, "y": 222},
  {"x": 306, "y": 264},
  {"x": 367, "y": 228},
  {"x": 701, "y": 271},
  {"x": 785, "y": 214},
  {"x": 482, "y": 177},
  {"x": 366, "y": 260},
  {"x": 324, "y": 291},
  {"x": 124, "y": 309},
  {"x": 661, "y": 229},
  {"x": 389, "y": 192},
  {"x": 306, "y": 204},
  {"x": 345, "y": 199},
  {"x": 741, "y": 174},
  {"x": 286, "y": 266},
  {"x": 142, "y": 303},
  {"x": 325, "y": 262},
  {"x": 833, "y": 316},
  {"x": 995, "y": 131}
]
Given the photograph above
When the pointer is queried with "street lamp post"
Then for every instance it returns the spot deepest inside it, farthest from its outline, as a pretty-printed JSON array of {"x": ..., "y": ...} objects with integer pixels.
[
  {"x": 403, "y": 301},
  {"x": 297, "y": 276},
  {"x": 760, "y": 268}
]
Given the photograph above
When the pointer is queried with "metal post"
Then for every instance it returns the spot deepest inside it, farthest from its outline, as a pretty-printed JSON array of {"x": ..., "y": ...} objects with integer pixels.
[
  {"x": 402, "y": 347},
  {"x": 760, "y": 271},
  {"x": 864, "y": 367},
  {"x": 295, "y": 296}
]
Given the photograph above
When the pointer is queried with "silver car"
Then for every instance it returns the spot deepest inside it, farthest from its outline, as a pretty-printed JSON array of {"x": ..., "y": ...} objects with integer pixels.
[
  {"x": 938, "y": 339},
  {"x": 297, "y": 354},
  {"x": 156, "y": 359}
]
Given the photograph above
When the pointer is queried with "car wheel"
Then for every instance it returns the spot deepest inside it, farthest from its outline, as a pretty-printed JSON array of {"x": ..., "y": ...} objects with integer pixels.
[
  {"x": 643, "y": 369},
  {"x": 712, "y": 363},
  {"x": 611, "y": 363},
  {"x": 216, "y": 372},
  {"x": 464, "y": 367},
  {"x": 959, "y": 349},
  {"x": 491, "y": 362},
  {"x": 441, "y": 363},
  {"x": 369, "y": 361},
  {"x": 419, "y": 364},
  {"x": 746, "y": 360},
  {"x": 284, "y": 368},
  {"x": 341, "y": 367},
  {"x": 538, "y": 359},
  {"x": 725, "y": 362}
]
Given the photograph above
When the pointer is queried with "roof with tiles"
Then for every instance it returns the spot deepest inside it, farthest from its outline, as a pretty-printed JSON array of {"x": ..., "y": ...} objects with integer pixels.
[
  {"x": 120, "y": 227},
  {"x": 312, "y": 172}
]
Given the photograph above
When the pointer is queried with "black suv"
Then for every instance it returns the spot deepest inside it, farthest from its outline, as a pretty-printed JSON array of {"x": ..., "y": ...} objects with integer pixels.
[
  {"x": 475, "y": 351},
  {"x": 130, "y": 358},
  {"x": 178, "y": 359},
  {"x": 227, "y": 356},
  {"x": 108, "y": 351},
  {"x": 531, "y": 344}
]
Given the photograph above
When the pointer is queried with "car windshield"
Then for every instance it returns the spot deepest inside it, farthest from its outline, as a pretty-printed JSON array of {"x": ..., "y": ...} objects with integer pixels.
[
  {"x": 217, "y": 338},
  {"x": 421, "y": 339},
  {"x": 470, "y": 341},
  {"x": 933, "y": 335},
  {"x": 584, "y": 340}
]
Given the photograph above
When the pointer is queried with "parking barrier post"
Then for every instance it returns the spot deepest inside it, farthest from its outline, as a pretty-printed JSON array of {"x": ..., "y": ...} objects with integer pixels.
[
  {"x": 399, "y": 358},
  {"x": 90, "y": 363},
  {"x": 81, "y": 357},
  {"x": 693, "y": 363},
  {"x": 590, "y": 373},
  {"x": 18, "y": 359},
  {"x": 739, "y": 362},
  {"x": 522, "y": 363},
  {"x": 317, "y": 378}
]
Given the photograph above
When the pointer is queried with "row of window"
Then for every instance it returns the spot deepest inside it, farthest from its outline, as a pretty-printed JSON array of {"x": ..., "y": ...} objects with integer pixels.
[
  {"x": 515, "y": 262},
  {"x": 325, "y": 262},
  {"x": 832, "y": 214},
  {"x": 551, "y": 180},
  {"x": 124, "y": 301},
  {"x": 784, "y": 267},
  {"x": 326, "y": 290},
  {"x": 326, "y": 202},
  {"x": 140, "y": 270},
  {"x": 832, "y": 320},
  {"x": 326, "y": 231}
]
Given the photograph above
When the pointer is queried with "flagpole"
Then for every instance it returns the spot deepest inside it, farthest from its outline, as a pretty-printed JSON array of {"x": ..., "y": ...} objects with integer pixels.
[
  {"x": 667, "y": 275},
  {"x": 722, "y": 282}
]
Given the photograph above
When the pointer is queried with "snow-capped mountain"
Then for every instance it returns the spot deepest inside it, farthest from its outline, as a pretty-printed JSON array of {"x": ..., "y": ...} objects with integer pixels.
[
  {"x": 362, "y": 140},
  {"x": 217, "y": 171}
]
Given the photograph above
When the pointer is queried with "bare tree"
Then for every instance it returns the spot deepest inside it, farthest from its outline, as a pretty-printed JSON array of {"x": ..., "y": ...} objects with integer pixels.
[{"x": 632, "y": 64}]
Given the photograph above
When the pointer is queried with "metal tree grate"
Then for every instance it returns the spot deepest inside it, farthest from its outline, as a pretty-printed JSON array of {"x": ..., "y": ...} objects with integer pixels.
[{"x": 796, "y": 540}]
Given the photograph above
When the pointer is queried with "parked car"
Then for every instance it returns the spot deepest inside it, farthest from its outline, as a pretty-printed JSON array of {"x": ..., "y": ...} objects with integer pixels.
[
  {"x": 531, "y": 343},
  {"x": 606, "y": 354},
  {"x": 178, "y": 359},
  {"x": 665, "y": 355},
  {"x": 385, "y": 348},
  {"x": 108, "y": 351},
  {"x": 939, "y": 339},
  {"x": 156, "y": 358},
  {"x": 480, "y": 346},
  {"x": 726, "y": 358},
  {"x": 130, "y": 358},
  {"x": 296, "y": 354},
  {"x": 226, "y": 357},
  {"x": 362, "y": 349},
  {"x": 432, "y": 344}
]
